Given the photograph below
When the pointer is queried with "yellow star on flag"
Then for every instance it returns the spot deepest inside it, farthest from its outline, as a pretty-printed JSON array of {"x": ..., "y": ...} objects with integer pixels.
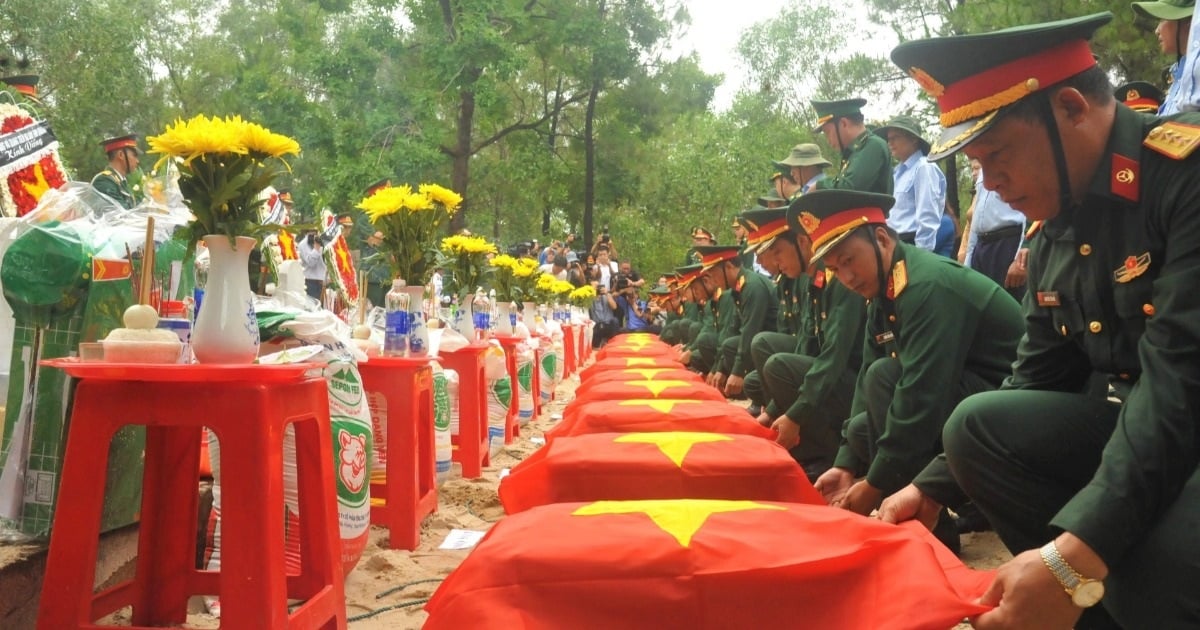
[
  {"x": 681, "y": 518},
  {"x": 632, "y": 361},
  {"x": 660, "y": 405},
  {"x": 658, "y": 387},
  {"x": 40, "y": 185},
  {"x": 674, "y": 444},
  {"x": 636, "y": 343}
]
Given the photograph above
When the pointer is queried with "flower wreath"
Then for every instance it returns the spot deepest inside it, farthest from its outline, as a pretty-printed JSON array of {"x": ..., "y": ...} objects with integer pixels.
[{"x": 27, "y": 176}]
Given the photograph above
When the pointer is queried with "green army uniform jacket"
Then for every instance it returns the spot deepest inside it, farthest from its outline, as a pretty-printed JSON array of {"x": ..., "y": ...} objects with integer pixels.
[
  {"x": 839, "y": 324},
  {"x": 808, "y": 340},
  {"x": 112, "y": 184},
  {"x": 792, "y": 296},
  {"x": 746, "y": 256},
  {"x": 724, "y": 315},
  {"x": 1114, "y": 287},
  {"x": 706, "y": 315},
  {"x": 755, "y": 311},
  {"x": 939, "y": 319},
  {"x": 866, "y": 166}
]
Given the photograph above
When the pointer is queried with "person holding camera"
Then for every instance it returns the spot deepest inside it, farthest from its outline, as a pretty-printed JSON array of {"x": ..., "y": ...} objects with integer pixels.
[
  {"x": 312, "y": 260},
  {"x": 605, "y": 269},
  {"x": 604, "y": 315},
  {"x": 636, "y": 315},
  {"x": 605, "y": 241}
]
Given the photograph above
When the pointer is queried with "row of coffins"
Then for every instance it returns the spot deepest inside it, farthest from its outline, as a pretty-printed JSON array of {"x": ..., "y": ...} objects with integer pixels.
[{"x": 657, "y": 504}]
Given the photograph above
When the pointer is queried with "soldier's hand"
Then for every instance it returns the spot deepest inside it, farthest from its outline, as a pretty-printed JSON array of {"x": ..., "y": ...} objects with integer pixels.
[
  {"x": 1017, "y": 271},
  {"x": 861, "y": 498},
  {"x": 787, "y": 432},
  {"x": 908, "y": 504},
  {"x": 719, "y": 382},
  {"x": 764, "y": 419},
  {"x": 686, "y": 357},
  {"x": 833, "y": 484},
  {"x": 1026, "y": 596},
  {"x": 733, "y": 385}
]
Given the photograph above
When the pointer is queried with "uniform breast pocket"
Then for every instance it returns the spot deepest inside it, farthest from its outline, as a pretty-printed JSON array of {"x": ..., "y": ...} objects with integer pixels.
[
  {"x": 1067, "y": 317},
  {"x": 1134, "y": 304}
]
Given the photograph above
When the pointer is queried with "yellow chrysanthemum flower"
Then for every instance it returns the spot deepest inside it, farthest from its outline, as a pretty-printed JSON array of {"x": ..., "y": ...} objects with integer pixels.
[
  {"x": 259, "y": 139},
  {"x": 460, "y": 244},
  {"x": 385, "y": 201},
  {"x": 416, "y": 202},
  {"x": 545, "y": 282},
  {"x": 561, "y": 287},
  {"x": 523, "y": 271},
  {"x": 504, "y": 261},
  {"x": 445, "y": 197},
  {"x": 586, "y": 292}
]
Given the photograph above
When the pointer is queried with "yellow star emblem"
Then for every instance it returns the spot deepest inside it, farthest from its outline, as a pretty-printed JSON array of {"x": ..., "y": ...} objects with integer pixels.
[
  {"x": 674, "y": 444},
  {"x": 646, "y": 373},
  {"x": 658, "y": 387},
  {"x": 681, "y": 518},
  {"x": 632, "y": 361},
  {"x": 659, "y": 405}
]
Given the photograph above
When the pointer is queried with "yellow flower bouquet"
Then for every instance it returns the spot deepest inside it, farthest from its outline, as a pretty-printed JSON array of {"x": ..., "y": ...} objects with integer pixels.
[
  {"x": 583, "y": 297},
  {"x": 224, "y": 166},
  {"x": 550, "y": 289},
  {"x": 465, "y": 257},
  {"x": 409, "y": 220}
]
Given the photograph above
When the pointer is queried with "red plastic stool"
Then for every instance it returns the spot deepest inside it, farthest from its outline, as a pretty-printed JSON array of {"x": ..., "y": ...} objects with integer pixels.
[
  {"x": 471, "y": 449},
  {"x": 537, "y": 382},
  {"x": 569, "y": 358},
  {"x": 512, "y": 425},
  {"x": 248, "y": 408},
  {"x": 401, "y": 391}
]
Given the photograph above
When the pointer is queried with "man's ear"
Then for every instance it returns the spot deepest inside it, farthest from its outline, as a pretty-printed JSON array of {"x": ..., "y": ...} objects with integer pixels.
[{"x": 1072, "y": 103}]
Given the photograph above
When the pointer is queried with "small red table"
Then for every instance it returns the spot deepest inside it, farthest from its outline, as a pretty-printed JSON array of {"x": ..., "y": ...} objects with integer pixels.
[
  {"x": 401, "y": 391},
  {"x": 248, "y": 407},
  {"x": 471, "y": 449},
  {"x": 512, "y": 426}
]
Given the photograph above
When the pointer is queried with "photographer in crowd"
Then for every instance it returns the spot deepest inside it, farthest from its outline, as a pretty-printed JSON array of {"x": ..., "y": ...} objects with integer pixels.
[{"x": 313, "y": 262}]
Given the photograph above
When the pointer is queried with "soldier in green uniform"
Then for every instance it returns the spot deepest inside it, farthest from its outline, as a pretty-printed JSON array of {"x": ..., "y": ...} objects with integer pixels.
[
  {"x": 753, "y": 309},
  {"x": 1098, "y": 500},
  {"x": 936, "y": 333},
  {"x": 1140, "y": 96},
  {"x": 800, "y": 171},
  {"x": 123, "y": 157},
  {"x": 866, "y": 160},
  {"x": 26, "y": 86},
  {"x": 811, "y": 384},
  {"x": 700, "y": 237},
  {"x": 700, "y": 354},
  {"x": 762, "y": 225}
]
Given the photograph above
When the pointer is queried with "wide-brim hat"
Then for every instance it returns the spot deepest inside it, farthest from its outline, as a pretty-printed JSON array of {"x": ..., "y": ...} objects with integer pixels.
[
  {"x": 829, "y": 216},
  {"x": 829, "y": 110},
  {"x": 713, "y": 255},
  {"x": 1165, "y": 9},
  {"x": 127, "y": 141},
  {"x": 807, "y": 154},
  {"x": 763, "y": 226},
  {"x": 908, "y": 125},
  {"x": 976, "y": 78},
  {"x": 1140, "y": 96}
]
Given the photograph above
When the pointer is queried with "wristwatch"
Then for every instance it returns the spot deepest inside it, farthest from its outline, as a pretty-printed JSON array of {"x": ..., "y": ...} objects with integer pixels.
[{"x": 1084, "y": 592}]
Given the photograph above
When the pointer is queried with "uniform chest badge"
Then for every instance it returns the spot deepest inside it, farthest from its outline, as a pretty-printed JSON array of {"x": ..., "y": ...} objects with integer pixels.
[
  {"x": 885, "y": 337},
  {"x": 1048, "y": 299},
  {"x": 819, "y": 280},
  {"x": 1133, "y": 267},
  {"x": 741, "y": 282}
]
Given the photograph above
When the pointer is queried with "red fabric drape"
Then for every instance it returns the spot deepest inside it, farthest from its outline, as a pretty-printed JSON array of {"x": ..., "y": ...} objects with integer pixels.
[
  {"x": 656, "y": 415},
  {"x": 604, "y": 365},
  {"x": 669, "y": 465},
  {"x": 655, "y": 388},
  {"x": 638, "y": 374},
  {"x": 699, "y": 564}
]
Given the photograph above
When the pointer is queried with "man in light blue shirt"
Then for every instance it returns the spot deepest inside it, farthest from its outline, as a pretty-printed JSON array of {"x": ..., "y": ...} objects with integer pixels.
[
  {"x": 996, "y": 244},
  {"x": 919, "y": 185},
  {"x": 1177, "y": 38}
]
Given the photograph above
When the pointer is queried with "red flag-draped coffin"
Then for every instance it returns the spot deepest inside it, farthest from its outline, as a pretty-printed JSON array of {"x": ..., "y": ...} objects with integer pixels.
[
  {"x": 611, "y": 350},
  {"x": 615, "y": 363},
  {"x": 638, "y": 374},
  {"x": 670, "y": 465},
  {"x": 656, "y": 415},
  {"x": 699, "y": 564},
  {"x": 657, "y": 388}
]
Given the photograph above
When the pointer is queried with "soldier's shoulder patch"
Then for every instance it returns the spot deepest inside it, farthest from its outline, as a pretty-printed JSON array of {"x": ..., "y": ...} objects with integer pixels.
[
  {"x": 741, "y": 282},
  {"x": 1173, "y": 139},
  {"x": 898, "y": 281},
  {"x": 1033, "y": 229}
]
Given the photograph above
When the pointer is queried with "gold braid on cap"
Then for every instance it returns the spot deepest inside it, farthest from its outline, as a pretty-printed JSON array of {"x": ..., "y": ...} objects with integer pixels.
[
  {"x": 952, "y": 142},
  {"x": 927, "y": 83},
  {"x": 988, "y": 104}
]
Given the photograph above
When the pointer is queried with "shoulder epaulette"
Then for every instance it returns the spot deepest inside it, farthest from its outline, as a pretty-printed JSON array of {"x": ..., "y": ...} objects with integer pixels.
[
  {"x": 1173, "y": 139},
  {"x": 1033, "y": 229}
]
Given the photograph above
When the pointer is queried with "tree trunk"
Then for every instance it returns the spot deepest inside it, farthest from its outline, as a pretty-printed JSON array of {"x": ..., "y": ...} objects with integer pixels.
[
  {"x": 551, "y": 142},
  {"x": 589, "y": 151},
  {"x": 461, "y": 155}
]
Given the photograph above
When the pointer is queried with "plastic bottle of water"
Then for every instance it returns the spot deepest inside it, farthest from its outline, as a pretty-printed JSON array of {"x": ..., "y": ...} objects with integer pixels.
[
  {"x": 396, "y": 327},
  {"x": 418, "y": 334}
]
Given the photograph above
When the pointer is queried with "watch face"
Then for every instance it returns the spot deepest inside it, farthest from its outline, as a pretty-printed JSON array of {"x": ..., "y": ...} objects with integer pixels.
[{"x": 1088, "y": 593}]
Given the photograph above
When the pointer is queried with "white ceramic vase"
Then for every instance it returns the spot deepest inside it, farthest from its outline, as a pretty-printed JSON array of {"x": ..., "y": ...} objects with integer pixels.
[{"x": 226, "y": 329}]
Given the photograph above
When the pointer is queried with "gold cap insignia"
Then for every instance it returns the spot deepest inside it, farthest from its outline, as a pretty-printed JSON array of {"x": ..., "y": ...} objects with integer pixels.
[{"x": 809, "y": 222}]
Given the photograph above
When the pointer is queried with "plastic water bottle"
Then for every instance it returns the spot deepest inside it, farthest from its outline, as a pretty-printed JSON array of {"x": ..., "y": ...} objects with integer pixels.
[
  {"x": 396, "y": 326},
  {"x": 418, "y": 334}
]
